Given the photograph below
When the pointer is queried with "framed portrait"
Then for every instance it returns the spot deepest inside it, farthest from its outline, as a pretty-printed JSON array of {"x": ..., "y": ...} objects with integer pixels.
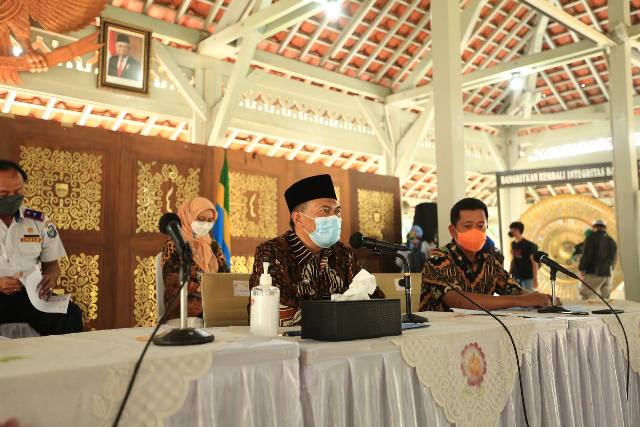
[{"x": 124, "y": 58}]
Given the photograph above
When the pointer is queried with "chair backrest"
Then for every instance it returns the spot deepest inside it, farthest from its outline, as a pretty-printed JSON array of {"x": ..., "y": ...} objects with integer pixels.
[{"x": 159, "y": 287}]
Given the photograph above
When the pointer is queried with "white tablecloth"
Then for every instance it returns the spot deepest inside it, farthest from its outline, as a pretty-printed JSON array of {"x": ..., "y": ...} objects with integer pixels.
[
  {"x": 80, "y": 379},
  {"x": 574, "y": 375},
  {"x": 573, "y": 372}
]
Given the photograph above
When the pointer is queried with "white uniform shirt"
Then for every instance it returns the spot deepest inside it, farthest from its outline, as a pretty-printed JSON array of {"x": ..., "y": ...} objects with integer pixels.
[{"x": 30, "y": 239}]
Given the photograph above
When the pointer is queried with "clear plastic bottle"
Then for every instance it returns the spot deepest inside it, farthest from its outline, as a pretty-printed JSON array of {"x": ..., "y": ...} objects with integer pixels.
[{"x": 265, "y": 306}]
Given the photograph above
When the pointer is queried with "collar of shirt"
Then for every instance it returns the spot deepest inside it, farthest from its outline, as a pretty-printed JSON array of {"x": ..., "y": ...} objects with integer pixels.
[
  {"x": 464, "y": 264},
  {"x": 301, "y": 252},
  {"x": 19, "y": 215}
]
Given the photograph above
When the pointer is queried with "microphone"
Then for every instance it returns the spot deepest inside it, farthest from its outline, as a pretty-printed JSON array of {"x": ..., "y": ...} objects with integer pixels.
[
  {"x": 170, "y": 225},
  {"x": 543, "y": 258},
  {"x": 357, "y": 240}
]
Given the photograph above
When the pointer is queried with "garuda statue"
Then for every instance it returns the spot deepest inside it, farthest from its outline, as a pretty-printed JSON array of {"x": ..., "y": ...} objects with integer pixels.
[{"x": 59, "y": 16}]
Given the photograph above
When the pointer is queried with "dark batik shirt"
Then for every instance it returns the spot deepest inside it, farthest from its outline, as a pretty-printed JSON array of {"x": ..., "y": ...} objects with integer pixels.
[
  {"x": 303, "y": 275},
  {"x": 447, "y": 267},
  {"x": 171, "y": 277}
]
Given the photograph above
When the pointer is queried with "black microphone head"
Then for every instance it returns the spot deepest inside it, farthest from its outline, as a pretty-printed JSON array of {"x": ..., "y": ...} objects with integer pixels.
[
  {"x": 537, "y": 257},
  {"x": 166, "y": 219},
  {"x": 356, "y": 240}
]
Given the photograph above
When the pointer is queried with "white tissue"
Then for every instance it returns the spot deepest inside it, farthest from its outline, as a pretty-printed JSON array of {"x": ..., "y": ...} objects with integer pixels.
[{"x": 363, "y": 285}]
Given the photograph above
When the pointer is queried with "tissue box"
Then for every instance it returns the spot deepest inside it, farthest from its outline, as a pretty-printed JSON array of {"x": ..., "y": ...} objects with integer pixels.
[{"x": 350, "y": 320}]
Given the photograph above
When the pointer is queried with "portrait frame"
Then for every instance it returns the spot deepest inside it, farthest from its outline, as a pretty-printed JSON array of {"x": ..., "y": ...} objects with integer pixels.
[{"x": 130, "y": 72}]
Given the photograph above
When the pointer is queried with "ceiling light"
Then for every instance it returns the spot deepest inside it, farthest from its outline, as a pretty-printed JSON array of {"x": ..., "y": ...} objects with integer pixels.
[
  {"x": 332, "y": 9},
  {"x": 516, "y": 83},
  {"x": 17, "y": 51}
]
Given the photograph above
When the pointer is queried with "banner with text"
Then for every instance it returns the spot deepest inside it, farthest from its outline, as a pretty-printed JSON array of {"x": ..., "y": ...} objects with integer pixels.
[{"x": 560, "y": 175}]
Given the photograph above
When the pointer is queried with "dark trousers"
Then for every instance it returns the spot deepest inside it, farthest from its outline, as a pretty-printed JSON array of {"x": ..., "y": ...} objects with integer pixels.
[{"x": 18, "y": 309}]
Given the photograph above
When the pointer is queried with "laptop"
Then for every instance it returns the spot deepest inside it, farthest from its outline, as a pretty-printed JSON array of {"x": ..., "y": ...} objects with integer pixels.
[
  {"x": 225, "y": 297},
  {"x": 389, "y": 284}
]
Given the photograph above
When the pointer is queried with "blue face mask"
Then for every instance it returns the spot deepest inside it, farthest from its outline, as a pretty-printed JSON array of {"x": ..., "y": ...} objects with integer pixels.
[{"x": 327, "y": 231}]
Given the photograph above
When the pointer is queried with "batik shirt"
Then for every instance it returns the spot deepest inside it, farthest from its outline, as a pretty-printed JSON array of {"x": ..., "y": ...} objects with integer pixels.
[
  {"x": 302, "y": 275},
  {"x": 171, "y": 277},
  {"x": 448, "y": 267}
]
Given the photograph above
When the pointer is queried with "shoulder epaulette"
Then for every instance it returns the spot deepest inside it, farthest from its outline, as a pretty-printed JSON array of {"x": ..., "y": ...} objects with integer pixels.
[{"x": 35, "y": 215}]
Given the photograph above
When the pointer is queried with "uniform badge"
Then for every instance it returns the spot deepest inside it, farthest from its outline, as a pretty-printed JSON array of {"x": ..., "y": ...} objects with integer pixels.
[
  {"x": 35, "y": 215},
  {"x": 51, "y": 231},
  {"x": 31, "y": 238}
]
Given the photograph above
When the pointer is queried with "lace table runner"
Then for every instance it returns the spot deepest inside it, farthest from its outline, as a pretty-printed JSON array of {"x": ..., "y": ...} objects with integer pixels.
[
  {"x": 86, "y": 376},
  {"x": 470, "y": 371}
]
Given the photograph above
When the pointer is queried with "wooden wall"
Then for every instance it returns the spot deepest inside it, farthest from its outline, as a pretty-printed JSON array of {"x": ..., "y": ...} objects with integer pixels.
[{"x": 106, "y": 191}]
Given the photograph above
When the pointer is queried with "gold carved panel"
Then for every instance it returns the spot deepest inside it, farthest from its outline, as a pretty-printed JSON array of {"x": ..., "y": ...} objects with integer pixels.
[
  {"x": 242, "y": 264},
  {"x": 145, "y": 301},
  {"x": 162, "y": 189},
  {"x": 253, "y": 205},
  {"x": 65, "y": 185},
  {"x": 375, "y": 212},
  {"x": 79, "y": 276}
]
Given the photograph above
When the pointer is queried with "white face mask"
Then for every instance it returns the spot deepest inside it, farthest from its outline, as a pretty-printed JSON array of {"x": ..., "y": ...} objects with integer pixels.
[{"x": 201, "y": 228}]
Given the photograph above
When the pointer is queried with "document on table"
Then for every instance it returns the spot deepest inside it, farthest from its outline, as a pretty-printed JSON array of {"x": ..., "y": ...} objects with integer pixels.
[{"x": 54, "y": 304}]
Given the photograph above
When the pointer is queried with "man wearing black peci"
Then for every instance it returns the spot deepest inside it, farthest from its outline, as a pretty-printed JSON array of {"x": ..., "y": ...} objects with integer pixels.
[{"x": 308, "y": 261}]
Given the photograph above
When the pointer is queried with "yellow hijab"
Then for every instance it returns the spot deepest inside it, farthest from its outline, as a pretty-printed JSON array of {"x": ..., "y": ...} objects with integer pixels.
[{"x": 201, "y": 246}]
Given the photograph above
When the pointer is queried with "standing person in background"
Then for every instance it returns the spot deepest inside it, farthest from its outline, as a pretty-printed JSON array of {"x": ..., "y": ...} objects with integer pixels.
[
  {"x": 523, "y": 268},
  {"x": 418, "y": 250},
  {"x": 598, "y": 259},
  {"x": 579, "y": 248}
]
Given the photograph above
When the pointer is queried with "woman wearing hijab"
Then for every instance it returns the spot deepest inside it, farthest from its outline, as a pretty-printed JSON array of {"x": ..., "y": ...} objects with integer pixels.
[
  {"x": 418, "y": 249},
  {"x": 197, "y": 217}
]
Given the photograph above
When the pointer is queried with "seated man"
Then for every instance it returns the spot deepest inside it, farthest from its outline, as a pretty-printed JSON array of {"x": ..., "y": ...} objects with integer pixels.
[
  {"x": 469, "y": 267},
  {"x": 28, "y": 240},
  {"x": 308, "y": 261}
]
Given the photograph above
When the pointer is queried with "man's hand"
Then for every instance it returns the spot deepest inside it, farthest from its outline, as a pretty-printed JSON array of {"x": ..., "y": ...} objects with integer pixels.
[
  {"x": 45, "y": 287},
  {"x": 558, "y": 300},
  {"x": 534, "y": 300},
  {"x": 10, "y": 285}
]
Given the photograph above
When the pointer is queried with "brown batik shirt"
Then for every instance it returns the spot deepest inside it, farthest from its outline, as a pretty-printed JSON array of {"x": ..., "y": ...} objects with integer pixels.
[
  {"x": 303, "y": 275},
  {"x": 171, "y": 277},
  {"x": 448, "y": 267}
]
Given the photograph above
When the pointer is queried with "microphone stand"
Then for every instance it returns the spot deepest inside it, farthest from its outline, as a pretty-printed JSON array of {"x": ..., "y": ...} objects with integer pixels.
[
  {"x": 408, "y": 317},
  {"x": 554, "y": 308},
  {"x": 184, "y": 335}
]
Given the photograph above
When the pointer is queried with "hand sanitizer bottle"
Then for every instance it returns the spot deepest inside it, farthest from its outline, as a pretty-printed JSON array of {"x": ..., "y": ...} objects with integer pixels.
[{"x": 265, "y": 306}]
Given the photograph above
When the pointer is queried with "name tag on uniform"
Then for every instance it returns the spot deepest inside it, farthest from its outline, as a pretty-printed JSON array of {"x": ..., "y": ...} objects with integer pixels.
[{"x": 31, "y": 238}]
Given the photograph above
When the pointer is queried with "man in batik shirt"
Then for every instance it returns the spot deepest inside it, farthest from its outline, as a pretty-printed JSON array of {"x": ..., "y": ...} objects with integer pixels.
[
  {"x": 308, "y": 262},
  {"x": 465, "y": 264}
]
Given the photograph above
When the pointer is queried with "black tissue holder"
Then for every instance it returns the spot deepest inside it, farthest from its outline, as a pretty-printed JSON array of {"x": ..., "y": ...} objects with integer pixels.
[{"x": 325, "y": 320}]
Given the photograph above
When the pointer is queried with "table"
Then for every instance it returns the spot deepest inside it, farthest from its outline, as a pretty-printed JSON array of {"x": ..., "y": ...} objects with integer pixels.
[
  {"x": 80, "y": 379},
  {"x": 573, "y": 375}
]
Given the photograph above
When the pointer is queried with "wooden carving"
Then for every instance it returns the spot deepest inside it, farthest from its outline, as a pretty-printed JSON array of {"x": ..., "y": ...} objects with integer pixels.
[{"x": 59, "y": 16}]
